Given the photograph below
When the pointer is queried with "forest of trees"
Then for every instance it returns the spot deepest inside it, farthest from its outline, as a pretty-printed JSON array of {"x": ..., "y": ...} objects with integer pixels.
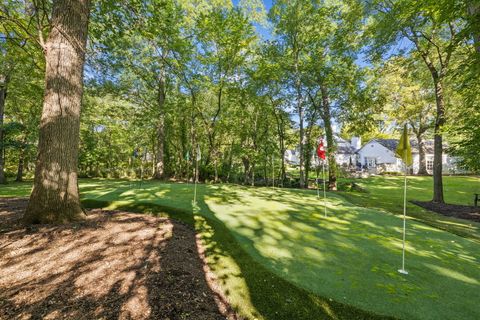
[{"x": 127, "y": 88}]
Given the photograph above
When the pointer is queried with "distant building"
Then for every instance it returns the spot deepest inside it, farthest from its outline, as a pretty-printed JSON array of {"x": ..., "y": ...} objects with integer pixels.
[
  {"x": 292, "y": 157},
  {"x": 346, "y": 151},
  {"x": 379, "y": 155},
  {"x": 345, "y": 155}
]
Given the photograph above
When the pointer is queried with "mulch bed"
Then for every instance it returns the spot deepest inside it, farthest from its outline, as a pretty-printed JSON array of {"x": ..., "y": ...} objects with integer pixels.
[
  {"x": 114, "y": 265},
  {"x": 452, "y": 210}
]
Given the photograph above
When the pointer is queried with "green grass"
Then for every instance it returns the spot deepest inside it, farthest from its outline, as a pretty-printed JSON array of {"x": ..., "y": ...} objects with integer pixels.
[
  {"x": 278, "y": 257},
  {"x": 386, "y": 193}
]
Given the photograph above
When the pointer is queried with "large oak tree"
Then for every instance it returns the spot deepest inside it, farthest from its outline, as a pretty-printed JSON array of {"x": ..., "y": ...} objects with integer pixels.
[{"x": 55, "y": 196}]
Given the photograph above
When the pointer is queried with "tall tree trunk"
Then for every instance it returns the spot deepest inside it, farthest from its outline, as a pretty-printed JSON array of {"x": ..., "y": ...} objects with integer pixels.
[
  {"x": 246, "y": 170},
  {"x": 438, "y": 147},
  {"x": 422, "y": 161},
  {"x": 309, "y": 144},
  {"x": 193, "y": 139},
  {"x": 55, "y": 196},
  {"x": 230, "y": 163},
  {"x": 300, "y": 120},
  {"x": 283, "y": 171},
  {"x": 331, "y": 148},
  {"x": 265, "y": 171},
  {"x": 3, "y": 96},
  {"x": 252, "y": 168},
  {"x": 160, "y": 155},
  {"x": 281, "y": 138},
  {"x": 301, "y": 145},
  {"x": 21, "y": 163},
  {"x": 308, "y": 157}
]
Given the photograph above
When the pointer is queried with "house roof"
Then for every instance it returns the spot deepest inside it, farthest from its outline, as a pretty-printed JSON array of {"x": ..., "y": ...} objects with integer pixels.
[
  {"x": 343, "y": 146},
  {"x": 392, "y": 144},
  {"x": 345, "y": 149}
]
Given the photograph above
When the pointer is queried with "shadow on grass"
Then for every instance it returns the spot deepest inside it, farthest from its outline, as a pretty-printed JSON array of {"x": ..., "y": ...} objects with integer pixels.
[
  {"x": 364, "y": 251},
  {"x": 263, "y": 293},
  {"x": 272, "y": 297}
]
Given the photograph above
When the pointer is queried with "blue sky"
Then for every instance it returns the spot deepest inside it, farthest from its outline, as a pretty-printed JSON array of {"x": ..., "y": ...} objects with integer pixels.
[{"x": 263, "y": 31}]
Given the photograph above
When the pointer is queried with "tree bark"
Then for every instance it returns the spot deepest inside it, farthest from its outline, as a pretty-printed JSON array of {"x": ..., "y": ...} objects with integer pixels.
[
  {"x": 331, "y": 148},
  {"x": 281, "y": 137},
  {"x": 252, "y": 168},
  {"x": 3, "y": 96},
  {"x": 300, "y": 120},
  {"x": 420, "y": 126},
  {"x": 230, "y": 163},
  {"x": 21, "y": 163},
  {"x": 246, "y": 170},
  {"x": 55, "y": 196},
  {"x": 438, "y": 147},
  {"x": 422, "y": 161},
  {"x": 160, "y": 155},
  {"x": 308, "y": 164}
]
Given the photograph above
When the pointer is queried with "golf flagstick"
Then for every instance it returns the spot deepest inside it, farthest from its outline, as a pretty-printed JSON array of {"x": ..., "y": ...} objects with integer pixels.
[
  {"x": 404, "y": 152},
  {"x": 322, "y": 154},
  {"x": 403, "y": 271},
  {"x": 324, "y": 188},
  {"x": 318, "y": 185}
]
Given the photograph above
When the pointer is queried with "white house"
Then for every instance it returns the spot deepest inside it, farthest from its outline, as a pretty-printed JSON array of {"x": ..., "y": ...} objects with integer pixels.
[
  {"x": 346, "y": 151},
  {"x": 379, "y": 155},
  {"x": 345, "y": 155},
  {"x": 292, "y": 157}
]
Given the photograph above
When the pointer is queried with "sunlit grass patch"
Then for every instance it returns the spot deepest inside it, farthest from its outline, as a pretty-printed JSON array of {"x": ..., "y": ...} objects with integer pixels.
[{"x": 279, "y": 257}]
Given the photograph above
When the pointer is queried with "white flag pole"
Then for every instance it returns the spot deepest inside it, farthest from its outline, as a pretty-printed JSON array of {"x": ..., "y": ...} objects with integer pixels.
[
  {"x": 403, "y": 271},
  {"x": 324, "y": 188},
  {"x": 318, "y": 185}
]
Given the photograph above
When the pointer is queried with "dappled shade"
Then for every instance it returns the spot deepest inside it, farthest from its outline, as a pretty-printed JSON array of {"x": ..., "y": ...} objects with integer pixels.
[
  {"x": 352, "y": 256},
  {"x": 113, "y": 266}
]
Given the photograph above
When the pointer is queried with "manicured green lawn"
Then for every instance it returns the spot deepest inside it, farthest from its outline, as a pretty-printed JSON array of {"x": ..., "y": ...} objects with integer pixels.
[
  {"x": 386, "y": 193},
  {"x": 278, "y": 257}
]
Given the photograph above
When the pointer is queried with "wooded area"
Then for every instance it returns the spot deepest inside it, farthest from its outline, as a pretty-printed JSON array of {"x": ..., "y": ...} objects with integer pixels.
[{"x": 160, "y": 82}]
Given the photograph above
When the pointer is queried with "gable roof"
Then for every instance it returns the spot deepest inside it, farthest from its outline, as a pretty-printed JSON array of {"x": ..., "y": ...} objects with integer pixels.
[
  {"x": 345, "y": 149},
  {"x": 391, "y": 144},
  {"x": 343, "y": 146}
]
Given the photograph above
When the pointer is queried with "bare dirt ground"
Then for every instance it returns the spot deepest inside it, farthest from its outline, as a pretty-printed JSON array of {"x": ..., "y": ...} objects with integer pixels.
[
  {"x": 115, "y": 265},
  {"x": 452, "y": 210}
]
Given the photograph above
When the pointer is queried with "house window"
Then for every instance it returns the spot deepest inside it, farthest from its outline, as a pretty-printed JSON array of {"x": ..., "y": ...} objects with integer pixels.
[
  {"x": 430, "y": 164},
  {"x": 370, "y": 162}
]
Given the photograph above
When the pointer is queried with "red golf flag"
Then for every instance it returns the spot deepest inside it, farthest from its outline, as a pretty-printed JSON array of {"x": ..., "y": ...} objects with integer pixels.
[{"x": 321, "y": 150}]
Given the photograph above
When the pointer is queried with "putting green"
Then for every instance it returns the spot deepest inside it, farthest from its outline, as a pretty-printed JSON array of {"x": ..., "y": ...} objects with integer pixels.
[{"x": 352, "y": 256}]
